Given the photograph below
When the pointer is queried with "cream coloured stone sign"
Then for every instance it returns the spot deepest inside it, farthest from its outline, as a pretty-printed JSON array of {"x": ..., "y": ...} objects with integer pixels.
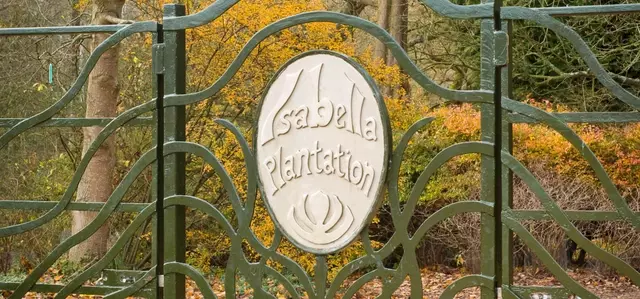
[{"x": 322, "y": 148}]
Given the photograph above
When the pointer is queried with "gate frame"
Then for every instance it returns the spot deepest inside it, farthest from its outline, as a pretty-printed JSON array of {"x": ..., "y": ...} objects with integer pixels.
[{"x": 169, "y": 64}]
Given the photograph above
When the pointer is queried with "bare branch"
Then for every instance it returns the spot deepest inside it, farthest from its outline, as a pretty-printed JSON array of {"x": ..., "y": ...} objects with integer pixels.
[
  {"x": 115, "y": 20},
  {"x": 372, "y": 3},
  {"x": 563, "y": 76},
  {"x": 414, "y": 42}
]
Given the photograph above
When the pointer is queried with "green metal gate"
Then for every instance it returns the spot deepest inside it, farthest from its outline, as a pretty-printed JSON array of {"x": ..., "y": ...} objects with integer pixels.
[{"x": 499, "y": 220}]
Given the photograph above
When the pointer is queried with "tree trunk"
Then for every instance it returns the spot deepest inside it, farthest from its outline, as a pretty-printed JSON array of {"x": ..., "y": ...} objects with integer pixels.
[
  {"x": 102, "y": 95},
  {"x": 398, "y": 29},
  {"x": 384, "y": 9}
]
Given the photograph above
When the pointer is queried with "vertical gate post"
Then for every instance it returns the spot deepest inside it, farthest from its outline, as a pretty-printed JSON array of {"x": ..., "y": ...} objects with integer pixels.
[
  {"x": 175, "y": 83},
  {"x": 487, "y": 234}
]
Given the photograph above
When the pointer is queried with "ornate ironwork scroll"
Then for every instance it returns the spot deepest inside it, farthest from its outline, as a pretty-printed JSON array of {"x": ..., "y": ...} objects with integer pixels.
[{"x": 333, "y": 217}]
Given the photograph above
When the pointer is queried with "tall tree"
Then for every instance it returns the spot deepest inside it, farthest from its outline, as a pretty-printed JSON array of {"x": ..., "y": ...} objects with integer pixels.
[
  {"x": 384, "y": 9},
  {"x": 398, "y": 22},
  {"x": 102, "y": 96}
]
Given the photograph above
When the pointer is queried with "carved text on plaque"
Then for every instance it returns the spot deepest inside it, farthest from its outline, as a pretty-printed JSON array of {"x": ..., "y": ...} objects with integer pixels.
[{"x": 321, "y": 151}]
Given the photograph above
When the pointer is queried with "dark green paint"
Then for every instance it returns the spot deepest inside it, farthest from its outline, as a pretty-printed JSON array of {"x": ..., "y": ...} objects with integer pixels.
[
  {"x": 169, "y": 58},
  {"x": 73, "y": 206},
  {"x": 53, "y": 288},
  {"x": 583, "y": 117},
  {"x": 174, "y": 172},
  {"x": 63, "y": 30},
  {"x": 77, "y": 122}
]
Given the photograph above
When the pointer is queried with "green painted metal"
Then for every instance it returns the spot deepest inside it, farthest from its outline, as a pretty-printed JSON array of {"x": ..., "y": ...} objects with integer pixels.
[
  {"x": 174, "y": 172},
  {"x": 76, "y": 122},
  {"x": 499, "y": 221},
  {"x": 584, "y": 117},
  {"x": 64, "y": 30},
  {"x": 571, "y": 215},
  {"x": 53, "y": 288},
  {"x": 73, "y": 206},
  {"x": 467, "y": 282},
  {"x": 111, "y": 277}
]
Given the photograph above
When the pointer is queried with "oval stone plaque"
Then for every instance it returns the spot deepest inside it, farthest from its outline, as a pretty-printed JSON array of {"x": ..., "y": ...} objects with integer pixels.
[{"x": 322, "y": 148}]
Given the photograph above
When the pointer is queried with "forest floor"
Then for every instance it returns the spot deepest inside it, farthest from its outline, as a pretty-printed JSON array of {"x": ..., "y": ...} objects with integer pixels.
[{"x": 435, "y": 282}]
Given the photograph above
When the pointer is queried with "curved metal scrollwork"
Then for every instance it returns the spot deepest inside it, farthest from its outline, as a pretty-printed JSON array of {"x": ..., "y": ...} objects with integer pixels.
[{"x": 401, "y": 212}]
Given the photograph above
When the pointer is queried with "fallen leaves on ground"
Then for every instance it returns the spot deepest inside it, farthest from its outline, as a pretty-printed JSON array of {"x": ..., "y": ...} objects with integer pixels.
[{"x": 433, "y": 284}]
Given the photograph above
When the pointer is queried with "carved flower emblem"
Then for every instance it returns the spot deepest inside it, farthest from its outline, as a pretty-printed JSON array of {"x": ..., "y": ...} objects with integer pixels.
[{"x": 320, "y": 218}]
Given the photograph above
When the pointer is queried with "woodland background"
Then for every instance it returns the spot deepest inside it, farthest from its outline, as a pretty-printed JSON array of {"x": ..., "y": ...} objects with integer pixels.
[{"x": 548, "y": 73}]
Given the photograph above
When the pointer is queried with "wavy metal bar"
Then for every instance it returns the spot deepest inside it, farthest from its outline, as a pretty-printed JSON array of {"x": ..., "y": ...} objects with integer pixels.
[
  {"x": 285, "y": 261},
  {"x": 210, "y": 158},
  {"x": 550, "y": 206},
  {"x": 230, "y": 274},
  {"x": 563, "y": 129},
  {"x": 322, "y": 16},
  {"x": 456, "y": 11},
  {"x": 446, "y": 212},
  {"x": 388, "y": 287},
  {"x": 243, "y": 217},
  {"x": 347, "y": 270},
  {"x": 247, "y": 211},
  {"x": 507, "y": 293},
  {"x": 254, "y": 276},
  {"x": 76, "y": 122},
  {"x": 200, "y": 18},
  {"x": 480, "y": 11},
  {"x": 432, "y": 220},
  {"x": 409, "y": 264},
  {"x": 77, "y": 85},
  {"x": 559, "y": 216},
  {"x": 63, "y": 30},
  {"x": 119, "y": 192},
  {"x": 437, "y": 161},
  {"x": 52, "y": 288},
  {"x": 191, "y": 272},
  {"x": 590, "y": 10},
  {"x": 573, "y": 215},
  {"x": 583, "y": 117},
  {"x": 448, "y": 9},
  {"x": 547, "y": 21},
  {"x": 182, "y": 200},
  {"x": 406, "y": 64},
  {"x": 262, "y": 266},
  {"x": 442, "y": 7},
  {"x": 468, "y": 281},
  {"x": 415, "y": 277},
  {"x": 202, "y": 206},
  {"x": 88, "y": 230},
  {"x": 545, "y": 257},
  {"x": 249, "y": 162},
  {"x": 293, "y": 293},
  {"x": 408, "y": 267},
  {"x": 39, "y": 204},
  {"x": 390, "y": 246},
  {"x": 135, "y": 287},
  {"x": 66, "y": 197},
  {"x": 351, "y": 291},
  {"x": 396, "y": 162},
  {"x": 77, "y": 281}
]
